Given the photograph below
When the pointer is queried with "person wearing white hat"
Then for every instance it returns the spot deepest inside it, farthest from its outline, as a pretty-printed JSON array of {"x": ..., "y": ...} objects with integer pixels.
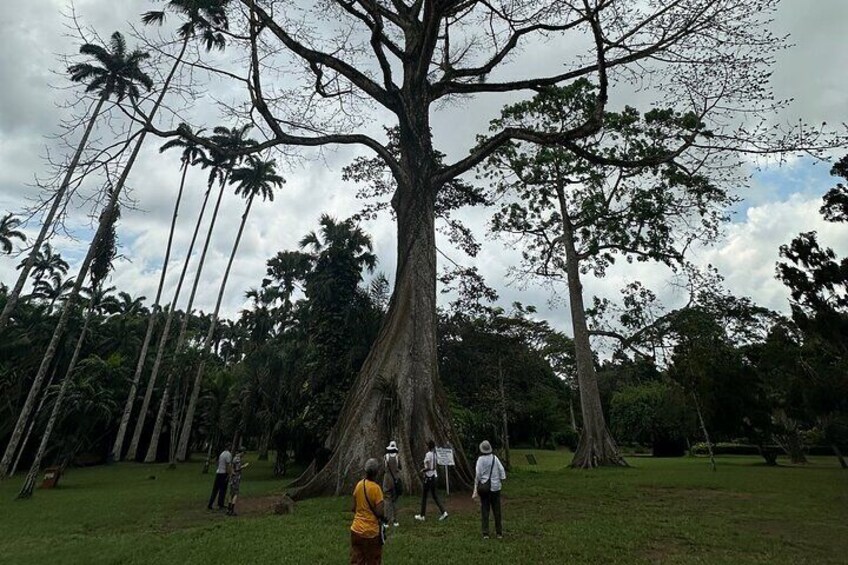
[
  {"x": 392, "y": 484},
  {"x": 490, "y": 474}
]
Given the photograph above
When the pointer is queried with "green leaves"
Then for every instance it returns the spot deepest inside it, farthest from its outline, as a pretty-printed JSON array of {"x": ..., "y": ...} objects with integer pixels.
[
  {"x": 558, "y": 196},
  {"x": 117, "y": 73}
]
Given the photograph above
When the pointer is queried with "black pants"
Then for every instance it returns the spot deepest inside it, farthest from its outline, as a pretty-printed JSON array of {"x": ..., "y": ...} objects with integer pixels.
[
  {"x": 219, "y": 489},
  {"x": 493, "y": 501},
  {"x": 430, "y": 488}
]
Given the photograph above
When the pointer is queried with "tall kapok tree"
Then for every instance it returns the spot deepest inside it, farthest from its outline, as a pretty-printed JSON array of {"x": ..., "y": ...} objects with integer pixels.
[
  {"x": 257, "y": 178},
  {"x": 115, "y": 73},
  {"x": 123, "y": 85},
  {"x": 9, "y": 225},
  {"x": 220, "y": 163},
  {"x": 192, "y": 154},
  {"x": 101, "y": 265},
  {"x": 818, "y": 283},
  {"x": 408, "y": 60},
  {"x": 575, "y": 217}
]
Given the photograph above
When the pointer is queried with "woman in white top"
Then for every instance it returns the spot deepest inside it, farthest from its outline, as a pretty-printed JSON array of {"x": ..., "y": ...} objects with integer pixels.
[{"x": 490, "y": 473}]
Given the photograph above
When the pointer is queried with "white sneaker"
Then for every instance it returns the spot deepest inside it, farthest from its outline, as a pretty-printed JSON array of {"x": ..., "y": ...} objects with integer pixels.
[
  {"x": 443, "y": 516},
  {"x": 419, "y": 517},
  {"x": 396, "y": 524}
]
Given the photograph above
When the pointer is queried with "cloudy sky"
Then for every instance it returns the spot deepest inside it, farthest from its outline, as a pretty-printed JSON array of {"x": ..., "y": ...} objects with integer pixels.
[{"x": 778, "y": 203}]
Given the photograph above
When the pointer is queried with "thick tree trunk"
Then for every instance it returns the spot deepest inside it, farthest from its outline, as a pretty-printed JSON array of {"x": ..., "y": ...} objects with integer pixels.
[
  {"x": 185, "y": 434},
  {"x": 118, "y": 446},
  {"x": 596, "y": 447},
  {"x": 58, "y": 199},
  {"x": 35, "y": 468},
  {"x": 397, "y": 394},
  {"x": 160, "y": 415}
]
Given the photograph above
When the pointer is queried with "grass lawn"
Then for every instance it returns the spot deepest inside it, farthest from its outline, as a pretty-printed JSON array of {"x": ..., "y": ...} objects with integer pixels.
[{"x": 670, "y": 510}]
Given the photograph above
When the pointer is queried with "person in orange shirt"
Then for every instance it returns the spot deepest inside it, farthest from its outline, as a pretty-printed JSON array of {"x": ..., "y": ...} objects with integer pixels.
[{"x": 366, "y": 546}]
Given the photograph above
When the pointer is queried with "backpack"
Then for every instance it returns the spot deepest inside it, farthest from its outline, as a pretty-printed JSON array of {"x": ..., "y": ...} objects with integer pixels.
[{"x": 398, "y": 491}]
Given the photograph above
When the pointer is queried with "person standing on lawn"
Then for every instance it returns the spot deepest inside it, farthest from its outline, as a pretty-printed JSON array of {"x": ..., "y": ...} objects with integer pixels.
[
  {"x": 488, "y": 479},
  {"x": 392, "y": 485},
  {"x": 222, "y": 475},
  {"x": 235, "y": 480},
  {"x": 366, "y": 545},
  {"x": 430, "y": 479}
]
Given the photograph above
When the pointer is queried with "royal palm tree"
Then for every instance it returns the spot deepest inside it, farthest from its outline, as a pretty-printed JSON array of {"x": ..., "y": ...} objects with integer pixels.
[
  {"x": 111, "y": 206},
  {"x": 206, "y": 19},
  {"x": 219, "y": 162},
  {"x": 8, "y": 231},
  {"x": 46, "y": 264},
  {"x": 257, "y": 178},
  {"x": 53, "y": 289},
  {"x": 114, "y": 73},
  {"x": 101, "y": 265},
  {"x": 192, "y": 154},
  {"x": 124, "y": 84},
  {"x": 128, "y": 305}
]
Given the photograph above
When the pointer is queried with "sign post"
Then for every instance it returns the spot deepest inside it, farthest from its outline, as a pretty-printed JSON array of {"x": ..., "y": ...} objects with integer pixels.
[{"x": 444, "y": 457}]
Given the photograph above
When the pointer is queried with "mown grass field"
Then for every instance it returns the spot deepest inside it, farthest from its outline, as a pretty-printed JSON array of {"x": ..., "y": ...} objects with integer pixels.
[{"x": 660, "y": 510}]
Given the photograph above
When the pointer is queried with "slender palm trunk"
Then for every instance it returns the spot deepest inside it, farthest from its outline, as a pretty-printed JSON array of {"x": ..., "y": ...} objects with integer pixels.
[
  {"x": 35, "y": 468},
  {"x": 132, "y": 453},
  {"x": 212, "y": 440},
  {"x": 58, "y": 199},
  {"x": 505, "y": 423},
  {"x": 704, "y": 429},
  {"x": 596, "y": 446},
  {"x": 117, "y": 448},
  {"x": 163, "y": 404},
  {"x": 185, "y": 433},
  {"x": 31, "y": 425},
  {"x": 109, "y": 211}
]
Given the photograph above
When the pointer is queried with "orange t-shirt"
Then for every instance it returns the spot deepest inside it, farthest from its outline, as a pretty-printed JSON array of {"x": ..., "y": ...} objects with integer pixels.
[{"x": 365, "y": 523}]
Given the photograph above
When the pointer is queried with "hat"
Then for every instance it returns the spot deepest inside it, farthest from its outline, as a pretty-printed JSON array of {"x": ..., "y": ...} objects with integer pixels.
[
  {"x": 485, "y": 447},
  {"x": 392, "y": 446}
]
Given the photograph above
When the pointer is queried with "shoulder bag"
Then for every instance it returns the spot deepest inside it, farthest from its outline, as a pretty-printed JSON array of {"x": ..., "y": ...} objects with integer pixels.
[
  {"x": 383, "y": 526},
  {"x": 485, "y": 487}
]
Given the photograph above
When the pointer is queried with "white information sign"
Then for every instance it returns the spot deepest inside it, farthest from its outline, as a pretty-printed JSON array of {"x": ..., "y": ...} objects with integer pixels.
[{"x": 444, "y": 456}]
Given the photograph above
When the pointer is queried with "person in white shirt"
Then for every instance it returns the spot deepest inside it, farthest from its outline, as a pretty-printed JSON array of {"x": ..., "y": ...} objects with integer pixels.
[
  {"x": 488, "y": 479},
  {"x": 222, "y": 475},
  {"x": 430, "y": 479}
]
